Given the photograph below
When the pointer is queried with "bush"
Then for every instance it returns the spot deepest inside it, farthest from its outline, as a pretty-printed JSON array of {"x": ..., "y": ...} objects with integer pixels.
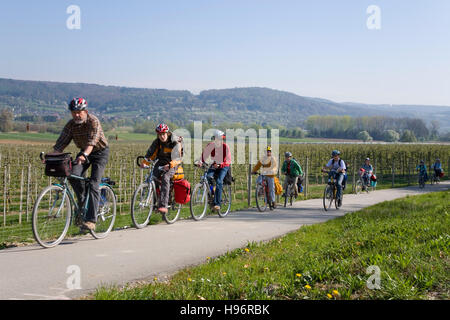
[
  {"x": 391, "y": 136},
  {"x": 364, "y": 136},
  {"x": 408, "y": 136}
]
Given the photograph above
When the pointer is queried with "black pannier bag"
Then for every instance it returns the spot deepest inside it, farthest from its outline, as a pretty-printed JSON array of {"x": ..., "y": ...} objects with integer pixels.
[
  {"x": 228, "y": 180},
  {"x": 58, "y": 164}
]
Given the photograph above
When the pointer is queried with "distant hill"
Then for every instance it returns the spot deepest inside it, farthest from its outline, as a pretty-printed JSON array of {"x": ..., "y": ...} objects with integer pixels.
[{"x": 246, "y": 105}]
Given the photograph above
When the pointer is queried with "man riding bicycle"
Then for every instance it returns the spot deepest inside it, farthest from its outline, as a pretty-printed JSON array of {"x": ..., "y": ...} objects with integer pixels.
[
  {"x": 293, "y": 171},
  {"x": 167, "y": 149},
  {"x": 367, "y": 173},
  {"x": 87, "y": 133},
  {"x": 219, "y": 152},
  {"x": 337, "y": 168},
  {"x": 269, "y": 171}
]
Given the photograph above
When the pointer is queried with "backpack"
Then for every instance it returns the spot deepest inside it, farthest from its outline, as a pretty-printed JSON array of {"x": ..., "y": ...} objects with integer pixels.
[
  {"x": 182, "y": 191},
  {"x": 228, "y": 180}
]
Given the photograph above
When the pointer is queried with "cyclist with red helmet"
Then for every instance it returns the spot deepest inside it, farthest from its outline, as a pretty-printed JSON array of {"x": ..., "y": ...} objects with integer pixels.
[
  {"x": 168, "y": 150},
  {"x": 87, "y": 133}
]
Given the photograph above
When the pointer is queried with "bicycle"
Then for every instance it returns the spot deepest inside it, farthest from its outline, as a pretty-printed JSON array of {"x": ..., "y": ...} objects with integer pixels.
[
  {"x": 422, "y": 180},
  {"x": 203, "y": 195},
  {"x": 435, "y": 179},
  {"x": 361, "y": 185},
  {"x": 329, "y": 194},
  {"x": 55, "y": 208},
  {"x": 146, "y": 196},
  {"x": 262, "y": 194},
  {"x": 289, "y": 193}
]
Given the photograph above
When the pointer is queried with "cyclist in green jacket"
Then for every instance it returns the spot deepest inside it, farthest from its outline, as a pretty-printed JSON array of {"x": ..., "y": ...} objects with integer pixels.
[{"x": 293, "y": 171}]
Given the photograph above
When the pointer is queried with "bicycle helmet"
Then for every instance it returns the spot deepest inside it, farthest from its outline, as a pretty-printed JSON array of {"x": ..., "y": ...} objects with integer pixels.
[
  {"x": 219, "y": 134},
  {"x": 161, "y": 128},
  {"x": 367, "y": 159},
  {"x": 335, "y": 153},
  {"x": 288, "y": 154},
  {"x": 269, "y": 148},
  {"x": 78, "y": 104}
]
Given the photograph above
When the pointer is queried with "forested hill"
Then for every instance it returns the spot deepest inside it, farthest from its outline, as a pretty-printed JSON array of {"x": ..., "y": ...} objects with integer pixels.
[{"x": 246, "y": 105}]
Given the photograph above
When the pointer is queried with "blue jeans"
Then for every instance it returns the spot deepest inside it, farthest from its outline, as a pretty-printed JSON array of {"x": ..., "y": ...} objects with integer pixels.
[
  {"x": 219, "y": 174},
  {"x": 339, "y": 178},
  {"x": 271, "y": 184}
]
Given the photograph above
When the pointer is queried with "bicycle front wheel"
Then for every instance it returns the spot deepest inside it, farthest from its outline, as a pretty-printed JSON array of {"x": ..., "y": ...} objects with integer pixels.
[
  {"x": 106, "y": 214},
  {"x": 173, "y": 211},
  {"x": 358, "y": 187},
  {"x": 226, "y": 201},
  {"x": 328, "y": 197},
  {"x": 199, "y": 201},
  {"x": 142, "y": 205},
  {"x": 261, "y": 199},
  {"x": 51, "y": 216}
]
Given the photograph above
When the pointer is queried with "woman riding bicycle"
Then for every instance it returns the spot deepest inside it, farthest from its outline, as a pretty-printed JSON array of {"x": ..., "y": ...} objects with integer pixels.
[
  {"x": 168, "y": 150},
  {"x": 219, "y": 152},
  {"x": 337, "y": 168},
  {"x": 269, "y": 171},
  {"x": 422, "y": 168}
]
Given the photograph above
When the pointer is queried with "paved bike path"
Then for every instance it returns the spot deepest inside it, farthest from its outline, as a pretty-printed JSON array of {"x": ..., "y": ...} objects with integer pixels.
[{"x": 34, "y": 273}]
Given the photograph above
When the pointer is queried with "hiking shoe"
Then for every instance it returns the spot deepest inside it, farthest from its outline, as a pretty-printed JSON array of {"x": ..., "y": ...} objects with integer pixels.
[
  {"x": 216, "y": 208},
  {"x": 274, "y": 205},
  {"x": 340, "y": 203},
  {"x": 88, "y": 225}
]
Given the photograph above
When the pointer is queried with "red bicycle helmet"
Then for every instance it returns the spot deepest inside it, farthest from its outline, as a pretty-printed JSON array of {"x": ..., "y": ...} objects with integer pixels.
[
  {"x": 161, "y": 128},
  {"x": 78, "y": 104}
]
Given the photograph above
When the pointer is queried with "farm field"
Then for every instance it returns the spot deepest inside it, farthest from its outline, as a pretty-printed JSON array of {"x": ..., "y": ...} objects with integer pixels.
[{"x": 22, "y": 178}]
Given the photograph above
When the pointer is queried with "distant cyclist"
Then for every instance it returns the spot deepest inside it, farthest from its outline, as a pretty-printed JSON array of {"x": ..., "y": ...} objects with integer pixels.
[
  {"x": 293, "y": 171},
  {"x": 437, "y": 167},
  {"x": 337, "y": 168},
  {"x": 422, "y": 168},
  {"x": 269, "y": 171},
  {"x": 219, "y": 152},
  {"x": 368, "y": 171}
]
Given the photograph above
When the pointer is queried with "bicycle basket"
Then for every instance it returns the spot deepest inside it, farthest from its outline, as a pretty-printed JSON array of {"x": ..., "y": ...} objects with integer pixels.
[{"x": 58, "y": 164}]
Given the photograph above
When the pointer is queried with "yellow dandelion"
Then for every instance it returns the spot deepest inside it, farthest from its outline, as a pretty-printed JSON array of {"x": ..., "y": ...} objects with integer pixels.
[
  {"x": 247, "y": 250},
  {"x": 298, "y": 275},
  {"x": 335, "y": 293},
  {"x": 329, "y": 296},
  {"x": 308, "y": 287},
  {"x": 189, "y": 279},
  {"x": 224, "y": 273}
]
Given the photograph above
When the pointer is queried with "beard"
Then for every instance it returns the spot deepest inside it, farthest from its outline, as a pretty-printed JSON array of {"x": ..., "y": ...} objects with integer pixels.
[{"x": 80, "y": 121}]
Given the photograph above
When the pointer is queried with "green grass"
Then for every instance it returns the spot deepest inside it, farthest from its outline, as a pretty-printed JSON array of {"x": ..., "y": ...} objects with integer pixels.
[
  {"x": 32, "y": 137},
  {"x": 408, "y": 239}
]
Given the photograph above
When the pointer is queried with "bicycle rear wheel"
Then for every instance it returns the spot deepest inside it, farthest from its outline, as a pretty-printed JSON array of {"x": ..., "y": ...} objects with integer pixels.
[
  {"x": 358, "y": 187},
  {"x": 199, "y": 201},
  {"x": 226, "y": 201},
  {"x": 261, "y": 199},
  {"x": 142, "y": 205},
  {"x": 328, "y": 197},
  {"x": 51, "y": 216},
  {"x": 106, "y": 214}
]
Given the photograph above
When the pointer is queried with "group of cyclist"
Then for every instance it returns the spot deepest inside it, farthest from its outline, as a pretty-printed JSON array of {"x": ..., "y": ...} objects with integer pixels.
[{"x": 87, "y": 133}]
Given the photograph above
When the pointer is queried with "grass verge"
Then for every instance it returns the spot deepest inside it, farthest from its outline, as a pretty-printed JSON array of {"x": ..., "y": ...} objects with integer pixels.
[{"x": 407, "y": 239}]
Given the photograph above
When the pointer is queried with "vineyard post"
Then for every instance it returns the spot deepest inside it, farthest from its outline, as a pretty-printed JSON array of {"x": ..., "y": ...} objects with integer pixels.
[
  {"x": 21, "y": 197},
  {"x": 249, "y": 181},
  {"x": 393, "y": 171},
  {"x": 354, "y": 176},
  {"x": 306, "y": 177},
  {"x": 28, "y": 188},
  {"x": 5, "y": 177},
  {"x": 409, "y": 172}
]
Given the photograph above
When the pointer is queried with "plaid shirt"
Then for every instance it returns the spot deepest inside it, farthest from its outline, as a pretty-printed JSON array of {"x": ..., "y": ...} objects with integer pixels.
[{"x": 89, "y": 133}]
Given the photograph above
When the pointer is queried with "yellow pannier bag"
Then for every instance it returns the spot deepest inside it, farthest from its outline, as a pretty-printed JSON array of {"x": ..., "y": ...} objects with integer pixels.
[
  {"x": 278, "y": 187},
  {"x": 179, "y": 174}
]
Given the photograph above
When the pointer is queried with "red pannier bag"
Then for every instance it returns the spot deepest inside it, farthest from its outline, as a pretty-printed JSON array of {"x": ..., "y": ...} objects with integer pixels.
[
  {"x": 182, "y": 190},
  {"x": 441, "y": 175}
]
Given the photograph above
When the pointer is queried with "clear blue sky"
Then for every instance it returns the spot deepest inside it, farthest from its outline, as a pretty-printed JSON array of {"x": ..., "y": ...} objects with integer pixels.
[{"x": 319, "y": 48}]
